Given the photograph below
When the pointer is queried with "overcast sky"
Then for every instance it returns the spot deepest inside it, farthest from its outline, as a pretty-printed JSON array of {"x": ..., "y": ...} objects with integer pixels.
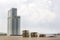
[{"x": 42, "y": 16}]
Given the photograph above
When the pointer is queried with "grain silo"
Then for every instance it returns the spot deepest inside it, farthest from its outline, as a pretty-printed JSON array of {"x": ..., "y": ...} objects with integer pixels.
[{"x": 13, "y": 22}]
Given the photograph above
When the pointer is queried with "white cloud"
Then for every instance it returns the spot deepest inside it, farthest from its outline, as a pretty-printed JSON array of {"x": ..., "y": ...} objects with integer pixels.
[
  {"x": 35, "y": 15},
  {"x": 35, "y": 12}
]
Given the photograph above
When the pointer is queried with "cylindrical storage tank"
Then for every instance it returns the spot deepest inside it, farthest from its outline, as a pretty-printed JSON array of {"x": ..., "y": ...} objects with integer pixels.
[
  {"x": 42, "y": 35},
  {"x": 25, "y": 33},
  {"x": 34, "y": 34}
]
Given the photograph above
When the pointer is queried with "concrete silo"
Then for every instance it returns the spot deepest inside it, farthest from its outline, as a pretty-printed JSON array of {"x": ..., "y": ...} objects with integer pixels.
[{"x": 13, "y": 22}]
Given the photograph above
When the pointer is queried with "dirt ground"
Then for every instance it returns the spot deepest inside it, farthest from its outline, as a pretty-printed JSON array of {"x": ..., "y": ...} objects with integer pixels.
[{"x": 21, "y": 38}]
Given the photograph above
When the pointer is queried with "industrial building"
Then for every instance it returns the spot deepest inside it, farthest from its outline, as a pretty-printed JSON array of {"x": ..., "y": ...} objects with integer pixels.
[
  {"x": 13, "y": 22},
  {"x": 34, "y": 34},
  {"x": 42, "y": 35},
  {"x": 25, "y": 33}
]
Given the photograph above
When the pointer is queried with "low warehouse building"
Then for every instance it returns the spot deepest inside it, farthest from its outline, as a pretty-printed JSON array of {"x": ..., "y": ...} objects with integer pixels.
[{"x": 34, "y": 34}]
